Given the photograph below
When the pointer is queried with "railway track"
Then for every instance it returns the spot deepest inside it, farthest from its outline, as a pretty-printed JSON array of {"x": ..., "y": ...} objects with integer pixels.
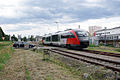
[
  {"x": 103, "y": 53},
  {"x": 94, "y": 52},
  {"x": 109, "y": 62}
]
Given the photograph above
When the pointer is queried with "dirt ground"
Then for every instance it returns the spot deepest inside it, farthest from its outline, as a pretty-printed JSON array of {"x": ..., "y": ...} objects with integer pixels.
[{"x": 28, "y": 65}]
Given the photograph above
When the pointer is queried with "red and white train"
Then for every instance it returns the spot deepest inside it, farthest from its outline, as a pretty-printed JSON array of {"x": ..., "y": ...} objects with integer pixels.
[{"x": 68, "y": 38}]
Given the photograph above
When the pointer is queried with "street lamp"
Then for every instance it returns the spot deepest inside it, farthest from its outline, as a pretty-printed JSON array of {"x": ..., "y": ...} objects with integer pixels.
[
  {"x": 79, "y": 26},
  {"x": 57, "y": 24}
]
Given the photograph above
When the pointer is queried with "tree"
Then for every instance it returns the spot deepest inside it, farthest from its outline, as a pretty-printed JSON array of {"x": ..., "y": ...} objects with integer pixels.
[
  {"x": 2, "y": 34},
  {"x": 32, "y": 38},
  {"x": 7, "y": 37},
  {"x": 13, "y": 38},
  {"x": 24, "y": 38}
]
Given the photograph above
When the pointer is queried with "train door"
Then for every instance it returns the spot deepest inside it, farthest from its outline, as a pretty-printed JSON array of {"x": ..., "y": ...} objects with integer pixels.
[{"x": 63, "y": 39}]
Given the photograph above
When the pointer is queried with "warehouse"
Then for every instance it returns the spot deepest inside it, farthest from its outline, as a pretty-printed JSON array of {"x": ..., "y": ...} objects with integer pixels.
[{"x": 109, "y": 36}]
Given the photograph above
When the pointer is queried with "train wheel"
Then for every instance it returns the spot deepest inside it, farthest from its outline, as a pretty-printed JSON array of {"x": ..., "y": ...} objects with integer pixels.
[
  {"x": 62, "y": 46},
  {"x": 68, "y": 46}
]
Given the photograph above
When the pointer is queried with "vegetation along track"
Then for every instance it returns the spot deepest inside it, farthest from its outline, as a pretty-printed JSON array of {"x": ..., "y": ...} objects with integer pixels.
[{"x": 109, "y": 62}]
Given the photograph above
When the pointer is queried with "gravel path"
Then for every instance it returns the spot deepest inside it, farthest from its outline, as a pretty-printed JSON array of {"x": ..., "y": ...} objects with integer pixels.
[{"x": 37, "y": 69}]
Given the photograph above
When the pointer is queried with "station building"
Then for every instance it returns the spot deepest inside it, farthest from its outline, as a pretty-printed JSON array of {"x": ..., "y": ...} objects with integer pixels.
[{"x": 108, "y": 36}]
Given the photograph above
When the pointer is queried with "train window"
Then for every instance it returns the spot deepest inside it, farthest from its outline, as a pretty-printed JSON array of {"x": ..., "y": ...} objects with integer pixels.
[
  {"x": 71, "y": 35},
  {"x": 43, "y": 38},
  {"x": 65, "y": 35},
  {"x": 47, "y": 39},
  {"x": 55, "y": 38}
]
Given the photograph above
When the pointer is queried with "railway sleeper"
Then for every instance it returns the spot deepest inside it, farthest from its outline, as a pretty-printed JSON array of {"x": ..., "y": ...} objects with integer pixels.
[
  {"x": 102, "y": 62},
  {"x": 88, "y": 61}
]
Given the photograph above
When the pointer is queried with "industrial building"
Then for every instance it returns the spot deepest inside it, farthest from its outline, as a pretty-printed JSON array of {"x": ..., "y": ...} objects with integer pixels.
[{"x": 108, "y": 36}]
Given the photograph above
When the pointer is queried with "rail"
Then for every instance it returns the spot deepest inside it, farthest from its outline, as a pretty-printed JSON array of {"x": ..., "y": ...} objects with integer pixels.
[{"x": 110, "y": 64}]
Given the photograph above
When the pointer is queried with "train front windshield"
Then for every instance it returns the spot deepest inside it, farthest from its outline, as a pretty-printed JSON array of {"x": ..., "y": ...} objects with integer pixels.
[{"x": 82, "y": 34}]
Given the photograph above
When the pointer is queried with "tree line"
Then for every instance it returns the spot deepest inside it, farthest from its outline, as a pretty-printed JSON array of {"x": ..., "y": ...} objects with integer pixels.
[
  {"x": 4, "y": 37},
  {"x": 31, "y": 38}
]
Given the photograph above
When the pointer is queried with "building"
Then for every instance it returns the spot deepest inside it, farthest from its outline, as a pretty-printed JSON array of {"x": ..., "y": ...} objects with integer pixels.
[
  {"x": 92, "y": 30},
  {"x": 109, "y": 36},
  {"x": 19, "y": 37},
  {"x": 38, "y": 38}
]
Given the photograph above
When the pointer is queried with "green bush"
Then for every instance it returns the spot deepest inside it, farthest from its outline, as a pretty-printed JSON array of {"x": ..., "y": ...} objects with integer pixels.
[
  {"x": 118, "y": 50},
  {"x": 92, "y": 45},
  {"x": 109, "y": 45},
  {"x": 101, "y": 44}
]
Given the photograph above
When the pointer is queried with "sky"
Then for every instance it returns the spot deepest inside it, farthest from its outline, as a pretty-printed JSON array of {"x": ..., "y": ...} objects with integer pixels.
[{"x": 38, "y": 17}]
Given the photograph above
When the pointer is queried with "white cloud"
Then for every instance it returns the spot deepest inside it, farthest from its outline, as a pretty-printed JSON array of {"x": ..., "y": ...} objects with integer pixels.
[
  {"x": 38, "y": 8},
  {"x": 41, "y": 29},
  {"x": 12, "y": 12},
  {"x": 35, "y": 28},
  {"x": 12, "y": 8},
  {"x": 43, "y": 17},
  {"x": 94, "y": 1},
  {"x": 103, "y": 22},
  {"x": 12, "y": 2},
  {"x": 92, "y": 5}
]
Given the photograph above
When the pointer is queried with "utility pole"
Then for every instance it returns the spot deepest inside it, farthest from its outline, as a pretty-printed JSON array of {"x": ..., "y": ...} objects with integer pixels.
[
  {"x": 105, "y": 36},
  {"x": 10, "y": 37}
]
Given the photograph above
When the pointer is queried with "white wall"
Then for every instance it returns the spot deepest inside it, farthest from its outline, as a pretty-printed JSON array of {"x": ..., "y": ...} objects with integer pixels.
[{"x": 109, "y": 32}]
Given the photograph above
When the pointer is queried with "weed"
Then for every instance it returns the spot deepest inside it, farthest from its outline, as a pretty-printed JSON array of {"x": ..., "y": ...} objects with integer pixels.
[
  {"x": 1, "y": 66},
  {"x": 48, "y": 78},
  {"x": 27, "y": 73}
]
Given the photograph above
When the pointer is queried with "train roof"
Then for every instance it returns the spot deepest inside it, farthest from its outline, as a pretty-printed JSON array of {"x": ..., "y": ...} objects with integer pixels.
[
  {"x": 60, "y": 32},
  {"x": 78, "y": 30}
]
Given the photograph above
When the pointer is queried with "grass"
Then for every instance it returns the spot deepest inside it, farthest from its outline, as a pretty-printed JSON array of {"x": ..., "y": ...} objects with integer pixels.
[
  {"x": 118, "y": 50},
  {"x": 5, "y": 53},
  {"x": 97, "y": 75},
  {"x": 105, "y": 49},
  {"x": 92, "y": 45},
  {"x": 59, "y": 63},
  {"x": 5, "y": 43},
  {"x": 27, "y": 73},
  {"x": 48, "y": 77}
]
